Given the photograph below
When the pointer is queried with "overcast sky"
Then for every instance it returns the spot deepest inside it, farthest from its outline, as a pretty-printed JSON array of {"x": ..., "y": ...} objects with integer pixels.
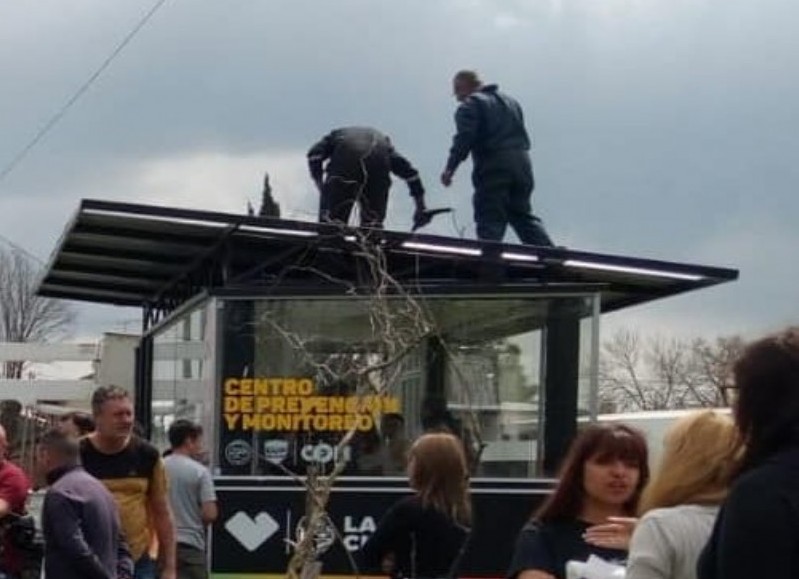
[{"x": 662, "y": 128}]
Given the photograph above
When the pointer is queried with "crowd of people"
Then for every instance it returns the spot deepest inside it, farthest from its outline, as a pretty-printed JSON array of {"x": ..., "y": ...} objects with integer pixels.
[
  {"x": 114, "y": 507},
  {"x": 722, "y": 504}
]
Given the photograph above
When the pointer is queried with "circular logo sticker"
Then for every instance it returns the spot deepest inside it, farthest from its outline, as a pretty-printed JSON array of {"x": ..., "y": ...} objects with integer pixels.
[
  {"x": 238, "y": 453},
  {"x": 276, "y": 451}
]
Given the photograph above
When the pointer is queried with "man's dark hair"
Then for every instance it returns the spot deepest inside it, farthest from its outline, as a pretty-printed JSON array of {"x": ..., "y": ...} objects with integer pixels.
[
  {"x": 82, "y": 421},
  {"x": 62, "y": 444},
  {"x": 105, "y": 393},
  {"x": 183, "y": 430}
]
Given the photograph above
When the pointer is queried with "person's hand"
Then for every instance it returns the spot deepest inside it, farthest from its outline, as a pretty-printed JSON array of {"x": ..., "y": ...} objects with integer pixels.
[
  {"x": 418, "y": 215},
  {"x": 446, "y": 177},
  {"x": 318, "y": 184},
  {"x": 168, "y": 573},
  {"x": 615, "y": 534}
]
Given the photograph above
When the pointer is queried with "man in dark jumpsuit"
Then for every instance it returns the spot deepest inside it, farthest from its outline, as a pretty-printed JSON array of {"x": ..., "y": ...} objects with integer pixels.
[
  {"x": 490, "y": 126},
  {"x": 360, "y": 161}
]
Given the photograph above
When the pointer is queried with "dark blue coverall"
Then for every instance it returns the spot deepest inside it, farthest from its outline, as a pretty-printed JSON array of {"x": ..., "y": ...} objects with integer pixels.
[
  {"x": 490, "y": 126},
  {"x": 360, "y": 161}
]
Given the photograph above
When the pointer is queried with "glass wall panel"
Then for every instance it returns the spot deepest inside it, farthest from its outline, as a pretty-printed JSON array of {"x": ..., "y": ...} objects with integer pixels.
[
  {"x": 493, "y": 387},
  {"x": 181, "y": 381},
  {"x": 588, "y": 385},
  {"x": 298, "y": 375}
]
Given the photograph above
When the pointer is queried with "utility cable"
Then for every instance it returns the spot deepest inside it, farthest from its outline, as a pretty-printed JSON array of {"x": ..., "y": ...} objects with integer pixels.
[{"x": 79, "y": 93}]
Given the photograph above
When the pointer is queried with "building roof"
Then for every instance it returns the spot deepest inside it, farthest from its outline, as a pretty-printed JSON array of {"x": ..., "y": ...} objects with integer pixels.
[{"x": 143, "y": 255}]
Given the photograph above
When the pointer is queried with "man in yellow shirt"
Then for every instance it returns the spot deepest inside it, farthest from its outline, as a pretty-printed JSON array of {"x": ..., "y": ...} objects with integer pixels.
[{"x": 132, "y": 469}]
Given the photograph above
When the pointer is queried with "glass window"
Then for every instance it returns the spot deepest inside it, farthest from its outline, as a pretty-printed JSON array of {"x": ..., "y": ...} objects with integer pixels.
[
  {"x": 493, "y": 388},
  {"x": 588, "y": 384},
  {"x": 299, "y": 374},
  {"x": 180, "y": 376}
]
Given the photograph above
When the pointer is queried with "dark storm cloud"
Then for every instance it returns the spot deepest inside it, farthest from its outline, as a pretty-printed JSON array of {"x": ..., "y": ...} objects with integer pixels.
[{"x": 665, "y": 129}]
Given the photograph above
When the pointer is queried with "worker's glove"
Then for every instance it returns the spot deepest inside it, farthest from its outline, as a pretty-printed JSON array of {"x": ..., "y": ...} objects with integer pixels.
[{"x": 419, "y": 217}]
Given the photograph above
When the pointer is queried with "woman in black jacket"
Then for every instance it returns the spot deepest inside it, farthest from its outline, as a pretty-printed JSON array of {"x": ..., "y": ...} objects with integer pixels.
[
  {"x": 424, "y": 535},
  {"x": 757, "y": 531}
]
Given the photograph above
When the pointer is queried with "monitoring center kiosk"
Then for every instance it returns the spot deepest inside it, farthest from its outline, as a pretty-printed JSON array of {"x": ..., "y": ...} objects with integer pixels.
[{"x": 280, "y": 337}]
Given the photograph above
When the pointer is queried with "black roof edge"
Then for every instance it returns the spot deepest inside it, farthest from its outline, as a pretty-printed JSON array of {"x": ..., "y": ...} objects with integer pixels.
[{"x": 554, "y": 254}]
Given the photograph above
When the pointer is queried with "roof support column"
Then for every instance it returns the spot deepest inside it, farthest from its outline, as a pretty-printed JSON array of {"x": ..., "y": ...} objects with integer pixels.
[{"x": 562, "y": 363}]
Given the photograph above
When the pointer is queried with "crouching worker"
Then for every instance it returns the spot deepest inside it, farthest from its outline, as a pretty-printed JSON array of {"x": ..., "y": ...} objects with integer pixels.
[
  {"x": 82, "y": 533},
  {"x": 360, "y": 161}
]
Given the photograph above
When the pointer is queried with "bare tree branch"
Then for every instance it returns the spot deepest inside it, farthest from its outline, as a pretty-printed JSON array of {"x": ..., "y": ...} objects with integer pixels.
[
  {"x": 398, "y": 325},
  {"x": 24, "y": 316},
  {"x": 665, "y": 373}
]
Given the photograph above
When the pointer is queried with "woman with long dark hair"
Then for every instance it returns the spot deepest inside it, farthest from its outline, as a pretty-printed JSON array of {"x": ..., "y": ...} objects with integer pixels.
[
  {"x": 601, "y": 478},
  {"x": 425, "y": 535},
  {"x": 757, "y": 531}
]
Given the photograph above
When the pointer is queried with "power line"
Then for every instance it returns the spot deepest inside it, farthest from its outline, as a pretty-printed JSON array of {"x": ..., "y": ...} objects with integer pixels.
[{"x": 80, "y": 92}]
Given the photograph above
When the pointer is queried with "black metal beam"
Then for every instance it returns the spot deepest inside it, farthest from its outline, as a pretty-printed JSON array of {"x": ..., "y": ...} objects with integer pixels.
[
  {"x": 101, "y": 262},
  {"x": 80, "y": 293},
  {"x": 78, "y": 269},
  {"x": 561, "y": 380},
  {"x": 173, "y": 231},
  {"x": 123, "y": 253},
  {"x": 71, "y": 277},
  {"x": 147, "y": 244},
  {"x": 397, "y": 239},
  {"x": 159, "y": 245},
  {"x": 143, "y": 384}
]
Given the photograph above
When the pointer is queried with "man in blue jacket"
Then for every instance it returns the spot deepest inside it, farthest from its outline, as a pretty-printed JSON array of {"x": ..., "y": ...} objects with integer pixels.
[
  {"x": 80, "y": 522},
  {"x": 490, "y": 126}
]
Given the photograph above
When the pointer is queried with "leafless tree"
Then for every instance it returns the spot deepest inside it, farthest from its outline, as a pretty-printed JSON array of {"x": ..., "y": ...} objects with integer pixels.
[
  {"x": 715, "y": 361},
  {"x": 24, "y": 316},
  {"x": 398, "y": 323},
  {"x": 659, "y": 372}
]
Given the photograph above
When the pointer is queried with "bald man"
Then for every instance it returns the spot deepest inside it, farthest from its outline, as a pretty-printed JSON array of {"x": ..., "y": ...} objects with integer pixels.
[{"x": 14, "y": 489}]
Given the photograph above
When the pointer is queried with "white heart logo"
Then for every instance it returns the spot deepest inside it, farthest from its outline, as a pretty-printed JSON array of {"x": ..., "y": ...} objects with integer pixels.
[{"x": 251, "y": 533}]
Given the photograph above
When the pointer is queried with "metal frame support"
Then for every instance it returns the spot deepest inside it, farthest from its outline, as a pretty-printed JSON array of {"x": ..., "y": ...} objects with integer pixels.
[
  {"x": 235, "y": 354},
  {"x": 143, "y": 384},
  {"x": 562, "y": 363},
  {"x": 211, "y": 269}
]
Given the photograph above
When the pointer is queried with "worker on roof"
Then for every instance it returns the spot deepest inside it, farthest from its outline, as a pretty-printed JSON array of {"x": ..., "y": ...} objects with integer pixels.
[
  {"x": 360, "y": 161},
  {"x": 490, "y": 126}
]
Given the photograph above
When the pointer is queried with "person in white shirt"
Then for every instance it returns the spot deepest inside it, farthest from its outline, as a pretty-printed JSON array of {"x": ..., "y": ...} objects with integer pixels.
[{"x": 680, "y": 504}]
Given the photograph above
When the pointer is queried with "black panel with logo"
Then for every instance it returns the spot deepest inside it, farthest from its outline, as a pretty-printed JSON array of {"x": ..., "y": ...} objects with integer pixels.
[
  {"x": 238, "y": 339},
  {"x": 260, "y": 517}
]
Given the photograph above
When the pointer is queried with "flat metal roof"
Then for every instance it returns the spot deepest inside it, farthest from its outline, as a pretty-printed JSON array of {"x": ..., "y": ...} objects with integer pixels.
[{"x": 142, "y": 255}]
